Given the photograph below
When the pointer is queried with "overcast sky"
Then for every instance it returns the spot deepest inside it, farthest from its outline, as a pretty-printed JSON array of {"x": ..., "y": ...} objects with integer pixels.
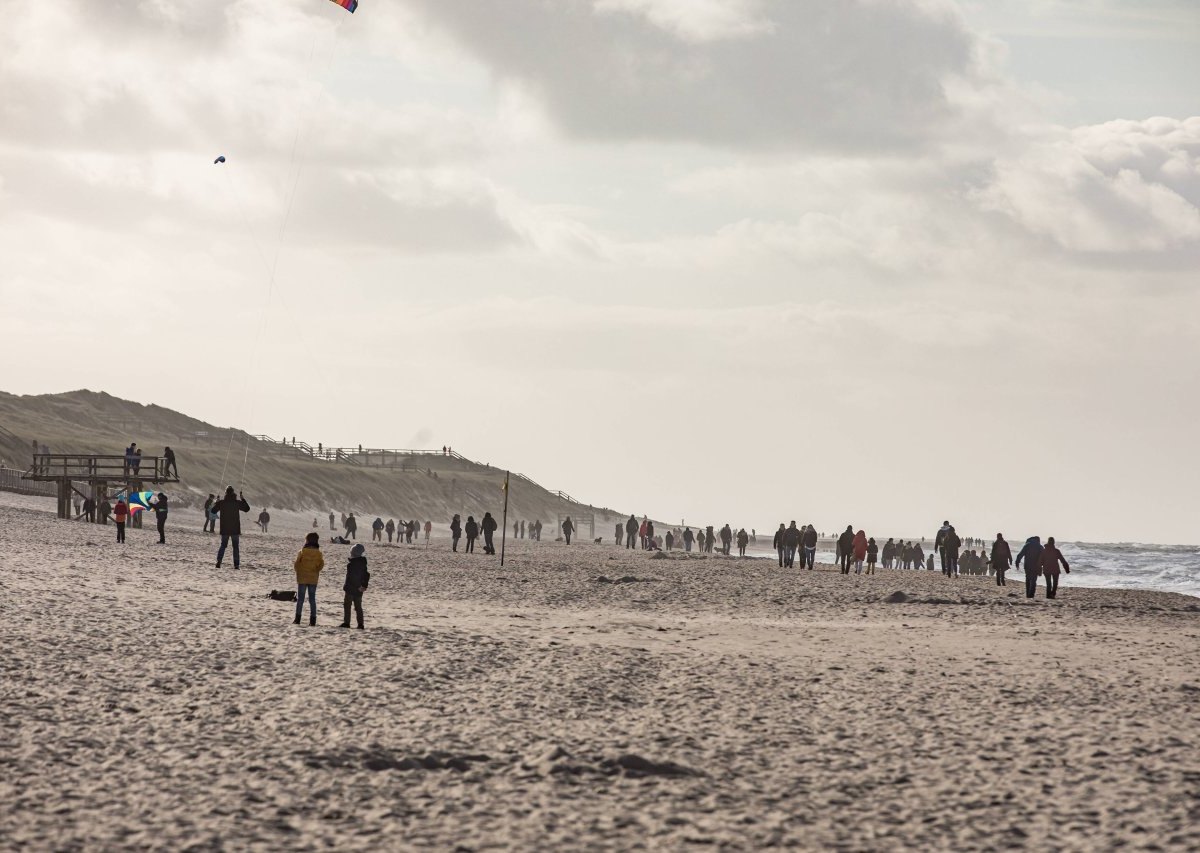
[{"x": 880, "y": 262}]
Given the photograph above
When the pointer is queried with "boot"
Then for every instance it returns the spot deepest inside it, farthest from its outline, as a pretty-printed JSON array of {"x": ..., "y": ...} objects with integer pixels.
[
  {"x": 296, "y": 621},
  {"x": 344, "y": 625},
  {"x": 312, "y": 620},
  {"x": 360, "y": 626}
]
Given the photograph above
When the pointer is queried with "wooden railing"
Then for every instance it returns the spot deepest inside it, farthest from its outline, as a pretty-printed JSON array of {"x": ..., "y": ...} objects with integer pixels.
[
  {"x": 12, "y": 480},
  {"x": 49, "y": 467}
]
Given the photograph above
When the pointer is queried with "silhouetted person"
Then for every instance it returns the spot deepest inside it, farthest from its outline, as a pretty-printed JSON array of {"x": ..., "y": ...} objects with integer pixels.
[
  {"x": 230, "y": 509},
  {"x": 472, "y": 531},
  {"x": 688, "y": 538},
  {"x": 1001, "y": 558},
  {"x": 522, "y": 530},
  {"x": 950, "y": 545},
  {"x": 777, "y": 542},
  {"x": 710, "y": 539},
  {"x": 377, "y": 530},
  {"x": 160, "y": 518},
  {"x": 455, "y": 532},
  {"x": 743, "y": 539},
  {"x": 726, "y": 539},
  {"x": 620, "y": 533},
  {"x": 872, "y": 555},
  {"x": 568, "y": 527},
  {"x": 89, "y": 510},
  {"x": 390, "y": 527},
  {"x": 809, "y": 540},
  {"x": 631, "y": 532},
  {"x": 845, "y": 545},
  {"x": 1049, "y": 562},
  {"x": 264, "y": 520},
  {"x": 332, "y": 518},
  {"x": 351, "y": 527},
  {"x": 357, "y": 578},
  {"x": 169, "y": 463},
  {"x": 1031, "y": 554},
  {"x": 937, "y": 544},
  {"x": 488, "y": 526}
]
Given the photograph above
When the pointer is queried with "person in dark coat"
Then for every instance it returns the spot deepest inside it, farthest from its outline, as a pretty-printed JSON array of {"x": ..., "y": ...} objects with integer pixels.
[
  {"x": 351, "y": 527},
  {"x": 390, "y": 527},
  {"x": 845, "y": 545},
  {"x": 777, "y": 542},
  {"x": 489, "y": 526},
  {"x": 809, "y": 541},
  {"x": 357, "y": 578},
  {"x": 1031, "y": 553},
  {"x": 743, "y": 539},
  {"x": 726, "y": 539},
  {"x": 950, "y": 545},
  {"x": 160, "y": 517},
  {"x": 169, "y": 462},
  {"x": 631, "y": 532},
  {"x": 455, "y": 532},
  {"x": 1049, "y": 562},
  {"x": 568, "y": 527},
  {"x": 1001, "y": 558},
  {"x": 688, "y": 538},
  {"x": 229, "y": 509},
  {"x": 377, "y": 530},
  {"x": 210, "y": 523},
  {"x": 791, "y": 537},
  {"x": 472, "y": 532}
]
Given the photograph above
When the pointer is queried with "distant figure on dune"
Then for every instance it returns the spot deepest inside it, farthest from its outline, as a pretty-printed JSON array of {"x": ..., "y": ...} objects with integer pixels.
[
  {"x": 230, "y": 509},
  {"x": 308, "y": 565},
  {"x": 160, "y": 518},
  {"x": 332, "y": 526},
  {"x": 568, "y": 527},
  {"x": 472, "y": 534},
  {"x": 351, "y": 527},
  {"x": 169, "y": 463},
  {"x": 390, "y": 527},
  {"x": 1001, "y": 559},
  {"x": 1050, "y": 560},
  {"x": 620, "y": 533},
  {"x": 357, "y": 578},
  {"x": 858, "y": 548},
  {"x": 1031, "y": 554},
  {"x": 631, "y": 531},
  {"x": 455, "y": 532},
  {"x": 264, "y": 520},
  {"x": 428, "y": 529},
  {"x": 377, "y": 530},
  {"x": 120, "y": 516},
  {"x": 845, "y": 545},
  {"x": 743, "y": 539}
]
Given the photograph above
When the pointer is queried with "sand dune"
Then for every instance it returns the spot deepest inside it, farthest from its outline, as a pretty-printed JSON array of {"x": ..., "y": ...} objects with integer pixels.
[{"x": 153, "y": 701}]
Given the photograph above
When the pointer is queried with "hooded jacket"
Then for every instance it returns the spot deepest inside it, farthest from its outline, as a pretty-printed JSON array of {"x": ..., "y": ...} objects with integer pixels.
[
  {"x": 631, "y": 526},
  {"x": 472, "y": 528},
  {"x": 810, "y": 537},
  {"x": 1001, "y": 554},
  {"x": 489, "y": 523},
  {"x": 859, "y": 545},
  {"x": 777, "y": 542},
  {"x": 846, "y": 541},
  {"x": 120, "y": 512},
  {"x": 308, "y": 565},
  {"x": 357, "y": 576},
  {"x": 1032, "y": 555},
  {"x": 791, "y": 537}
]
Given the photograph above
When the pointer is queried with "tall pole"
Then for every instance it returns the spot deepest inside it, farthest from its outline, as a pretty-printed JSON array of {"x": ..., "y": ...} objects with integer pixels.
[{"x": 504, "y": 532}]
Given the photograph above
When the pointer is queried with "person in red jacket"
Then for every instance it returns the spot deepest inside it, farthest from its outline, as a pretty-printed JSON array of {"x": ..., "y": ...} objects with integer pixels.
[
  {"x": 1051, "y": 557},
  {"x": 858, "y": 547},
  {"x": 120, "y": 516}
]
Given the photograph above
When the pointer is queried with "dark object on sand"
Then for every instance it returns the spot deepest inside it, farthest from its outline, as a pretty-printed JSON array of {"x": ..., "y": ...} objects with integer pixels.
[{"x": 282, "y": 595}]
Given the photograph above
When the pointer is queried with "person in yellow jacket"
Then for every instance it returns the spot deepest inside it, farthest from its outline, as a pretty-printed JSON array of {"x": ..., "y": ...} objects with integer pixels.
[{"x": 308, "y": 565}]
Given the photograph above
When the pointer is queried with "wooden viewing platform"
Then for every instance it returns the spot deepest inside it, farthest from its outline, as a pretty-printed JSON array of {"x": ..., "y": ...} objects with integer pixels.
[{"x": 98, "y": 472}]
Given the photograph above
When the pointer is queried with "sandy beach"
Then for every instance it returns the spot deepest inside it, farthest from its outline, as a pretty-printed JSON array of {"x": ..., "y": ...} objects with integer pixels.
[{"x": 580, "y": 698}]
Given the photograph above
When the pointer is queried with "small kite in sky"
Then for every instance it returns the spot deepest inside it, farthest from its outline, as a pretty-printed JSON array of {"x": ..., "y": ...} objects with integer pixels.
[{"x": 220, "y": 159}]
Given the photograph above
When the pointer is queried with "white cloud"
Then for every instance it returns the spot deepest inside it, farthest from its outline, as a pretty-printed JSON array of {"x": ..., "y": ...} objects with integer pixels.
[{"x": 697, "y": 20}]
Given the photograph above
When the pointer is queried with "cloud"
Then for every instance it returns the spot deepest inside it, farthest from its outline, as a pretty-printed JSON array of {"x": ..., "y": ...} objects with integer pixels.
[
  {"x": 1123, "y": 186},
  {"x": 853, "y": 76}
]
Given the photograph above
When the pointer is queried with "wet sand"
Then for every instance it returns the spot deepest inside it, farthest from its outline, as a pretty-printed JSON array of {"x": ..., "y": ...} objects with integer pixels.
[{"x": 581, "y": 698}]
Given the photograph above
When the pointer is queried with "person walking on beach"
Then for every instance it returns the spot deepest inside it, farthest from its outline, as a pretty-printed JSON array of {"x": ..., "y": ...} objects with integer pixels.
[
  {"x": 619, "y": 534},
  {"x": 858, "y": 549},
  {"x": 743, "y": 539},
  {"x": 332, "y": 517},
  {"x": 377, "y": 530},
  {"x": 489, "y": 528},
  {"x": 390, "y": 528},
  {"x": 1049, "y": 562},
  {"x": 357, "y": 578},
  {"x": 1031, "y": 554},
  {"x": 631, "y": 530},
  {"x": 950, "y": 545},
  {"x": 210, "y": 520},
  {"x": 160, "y": 518},
  {"x": 455, "y": 532},
  {"x": 689, "y": 539},
  {"x": 230, "y": 509},
  {"x": 845, "y": 548},
  {"x": 308, "y": 565},
  {"x": 937, "y": 544},
  {"x": 120, "y": 516},
  {"x": 472, "y": 532},
  {"x": 792, "y": 538},
  {"x": 777, "y": 542},
  {"x": 351, "y": 527},
  {"x": 1001, "y": 558},
  {"x": 809, "y": 541},
  {"x": 568, "y": 527},
  {"x": 428, "y": 530},
  {"x": 264, "y": 520},
  {"x": 872, "y": 555}
]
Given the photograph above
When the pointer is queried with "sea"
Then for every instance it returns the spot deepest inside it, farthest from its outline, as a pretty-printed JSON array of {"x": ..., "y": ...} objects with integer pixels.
[{"x": 1126, "y": 565}]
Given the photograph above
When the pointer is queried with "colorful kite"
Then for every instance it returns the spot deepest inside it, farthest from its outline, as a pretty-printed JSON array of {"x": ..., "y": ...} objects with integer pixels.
[
  {"x": 348, "y": 5},
  {"x": 139, "y": 501}
]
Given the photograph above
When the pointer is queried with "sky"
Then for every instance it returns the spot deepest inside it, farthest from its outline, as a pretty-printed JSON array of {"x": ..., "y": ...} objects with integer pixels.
[{"x": 873, "y": 262}]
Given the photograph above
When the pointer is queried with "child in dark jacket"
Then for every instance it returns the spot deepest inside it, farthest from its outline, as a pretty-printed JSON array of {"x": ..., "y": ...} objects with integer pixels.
[{"x": 357, "y": 578}]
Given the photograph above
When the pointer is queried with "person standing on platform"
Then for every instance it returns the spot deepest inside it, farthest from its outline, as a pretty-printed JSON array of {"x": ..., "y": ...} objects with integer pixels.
[{"x": 169, "y": 463}]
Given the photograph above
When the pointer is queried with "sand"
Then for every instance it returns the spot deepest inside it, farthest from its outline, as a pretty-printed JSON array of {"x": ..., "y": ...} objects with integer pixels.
[{"x": 151, "y": 701}]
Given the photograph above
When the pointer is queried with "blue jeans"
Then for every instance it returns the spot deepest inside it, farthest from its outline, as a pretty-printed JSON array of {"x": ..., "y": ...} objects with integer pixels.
[
  {"x": 311, "y": 589},
  {"x": 789, "y": 556},
  {"x": 810, "y": 554},
  {"x": 237, "y": 557}
]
